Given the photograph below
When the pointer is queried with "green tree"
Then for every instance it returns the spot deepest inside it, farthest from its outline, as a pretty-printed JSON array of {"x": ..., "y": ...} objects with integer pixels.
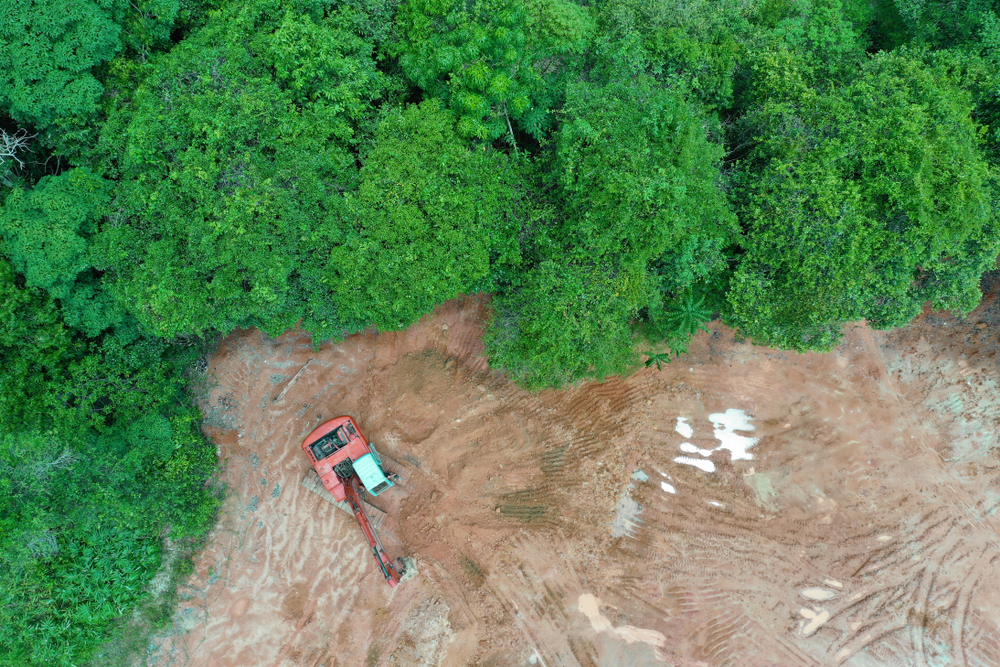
[
  {"x": 565, "y": 322},
  {"x": 699, "y": 43},
  {"x": 99, "y": 457},
  {"x": 433, "y": 220},
  {"x": 49, "y": 50},
  {"x": 34, "y": 346},
  {"x": 236, "y": 153},
  {"x": 864, "y": 202},
  {"x": 499, "y": 64},
  {"x": 948, "y": 24},
  {"x": 826, "y": 38},
  {"x": 634, "y": 215},
  {"x": 638, "y": 181},
  {"x": 47, "y": 231}
]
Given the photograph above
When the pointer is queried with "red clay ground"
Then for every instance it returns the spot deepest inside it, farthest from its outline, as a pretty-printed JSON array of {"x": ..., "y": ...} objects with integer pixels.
[{"x": 862, "y": 532}]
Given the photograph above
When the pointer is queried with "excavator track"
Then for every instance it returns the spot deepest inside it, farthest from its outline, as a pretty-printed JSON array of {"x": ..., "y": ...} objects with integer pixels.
[{"x": 312, "y": 482}]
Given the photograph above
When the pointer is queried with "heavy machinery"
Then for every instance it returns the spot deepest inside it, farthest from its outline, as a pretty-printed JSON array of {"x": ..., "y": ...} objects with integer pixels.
[{"x": 346, "y": 462}]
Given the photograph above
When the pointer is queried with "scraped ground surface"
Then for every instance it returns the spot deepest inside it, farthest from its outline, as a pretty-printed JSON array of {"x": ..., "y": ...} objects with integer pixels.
[{"x": 856, "y": 526}]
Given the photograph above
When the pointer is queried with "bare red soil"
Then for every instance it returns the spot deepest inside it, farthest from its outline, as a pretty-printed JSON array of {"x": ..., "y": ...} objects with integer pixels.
[{"x": 862, "y": 532}]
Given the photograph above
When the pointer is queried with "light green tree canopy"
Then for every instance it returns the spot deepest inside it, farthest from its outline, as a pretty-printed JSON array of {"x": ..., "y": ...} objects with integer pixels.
[
  {"x": 498, "y": 64},
  {"x": 237, "y": 152},
  {"x": 433, "y": 219},
  {"x": 861, "y": 203},
  {"x": 639, "y": 180}
]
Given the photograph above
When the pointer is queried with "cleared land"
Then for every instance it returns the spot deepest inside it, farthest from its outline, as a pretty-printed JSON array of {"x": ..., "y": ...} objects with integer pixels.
[{"x": 559, "y": 529}]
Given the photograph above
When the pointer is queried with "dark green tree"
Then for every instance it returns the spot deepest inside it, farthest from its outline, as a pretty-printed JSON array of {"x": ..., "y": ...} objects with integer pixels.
[
  {"x": 50, "y": 49},
  {"x": 47, "y": 232},
  {"x": 47, "y": 52},
  {"x": 635, "y": 215},
  {"x": 565, "y": 322},
  {"x": 99, "y": 457},
  {"x": 698, "y": 44}
]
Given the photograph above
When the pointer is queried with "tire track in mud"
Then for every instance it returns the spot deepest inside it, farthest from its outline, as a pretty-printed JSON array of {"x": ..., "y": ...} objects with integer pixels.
[
  {"x": 567, "y": 428},
  {"x": 255, "y": 562},
  {"x": 899, "y": 597},
  {"x": 510, "y": 496}
]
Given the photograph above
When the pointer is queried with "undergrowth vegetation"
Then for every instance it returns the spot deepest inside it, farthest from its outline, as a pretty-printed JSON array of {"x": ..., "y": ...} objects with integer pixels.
[{"x": 615, "y": 173}]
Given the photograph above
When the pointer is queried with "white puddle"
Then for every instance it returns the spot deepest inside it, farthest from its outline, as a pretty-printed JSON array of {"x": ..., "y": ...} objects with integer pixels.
[
  {"x": 669, "y": 488},
  {"x": 726, "y": 423},
  {"x": 814, "y": 618},
  {"x": 626, "y": 517},
  {"x": 731, "y": 420},
  {"x": 818, "y": 594},
  {"x": 703, "y": 464},
  {"x": 691, "y": 449},
  {"x": 590, "y": 606}
]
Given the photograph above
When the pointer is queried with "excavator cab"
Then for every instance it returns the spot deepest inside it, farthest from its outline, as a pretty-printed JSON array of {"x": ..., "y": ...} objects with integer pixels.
[{"x": 370, "y": 471}]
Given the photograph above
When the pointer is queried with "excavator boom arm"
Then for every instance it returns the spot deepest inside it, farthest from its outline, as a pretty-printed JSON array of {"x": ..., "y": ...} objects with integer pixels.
[{"x": 392, "y": 574}]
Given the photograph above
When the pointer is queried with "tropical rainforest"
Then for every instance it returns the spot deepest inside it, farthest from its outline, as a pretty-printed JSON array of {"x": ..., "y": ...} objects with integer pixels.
[{"x": 614, "y": 173}]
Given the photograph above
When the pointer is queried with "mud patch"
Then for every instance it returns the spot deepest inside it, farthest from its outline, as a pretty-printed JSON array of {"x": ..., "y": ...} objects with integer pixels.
[
  {"x": 424, "y": 636},
  {"x": 859, "y": 528}
]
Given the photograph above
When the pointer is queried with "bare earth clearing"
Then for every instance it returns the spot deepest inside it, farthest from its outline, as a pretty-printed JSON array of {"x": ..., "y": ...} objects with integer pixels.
[{"x": 862, "y": 532}]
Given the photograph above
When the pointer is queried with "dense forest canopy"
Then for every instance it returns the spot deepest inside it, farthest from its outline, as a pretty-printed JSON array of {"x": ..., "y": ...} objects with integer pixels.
[{"x": 614, "y": 172}]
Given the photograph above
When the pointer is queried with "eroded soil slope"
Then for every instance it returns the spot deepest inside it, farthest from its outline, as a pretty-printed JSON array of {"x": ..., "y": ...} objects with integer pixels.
[{"x": 846, "y": 516}]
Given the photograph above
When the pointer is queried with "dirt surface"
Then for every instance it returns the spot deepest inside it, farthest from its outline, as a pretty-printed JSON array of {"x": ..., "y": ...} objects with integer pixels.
[{"x": 855, "y": 524}]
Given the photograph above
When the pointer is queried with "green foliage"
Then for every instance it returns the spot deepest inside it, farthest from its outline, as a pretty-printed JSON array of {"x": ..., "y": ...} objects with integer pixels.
[
  {"x": 638, "y": 216},
  {"x": 34, "y": 346},
  {"x": 658, "y": 358},
  {"x": 861, "y": 203},
  {"x": 677, "y": 323},
  {"x": 826, "y": 39},
  {"x": 567, "y": 322},
  {"x": 97, "y": 458},
  {"x": 948, "y": 24},
  {"x": 432, "y": 218},
  {"x": 46, "y": 228},
  {"x": 638, "y": 179},
  {"x": 236, "y": 155},
  {"x": 696, "y": 42},
  {"x": 47, "y": 232},
  {"x": 684, "y": 316},
  {"x": 81, "y": 528},
  {"x": 49, "y": 50},
  {"x": 499, "y": 64}
]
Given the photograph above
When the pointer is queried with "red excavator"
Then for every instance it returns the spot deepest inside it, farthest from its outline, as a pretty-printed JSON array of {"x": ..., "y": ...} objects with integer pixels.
[{"x": 346, "y": 462}]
